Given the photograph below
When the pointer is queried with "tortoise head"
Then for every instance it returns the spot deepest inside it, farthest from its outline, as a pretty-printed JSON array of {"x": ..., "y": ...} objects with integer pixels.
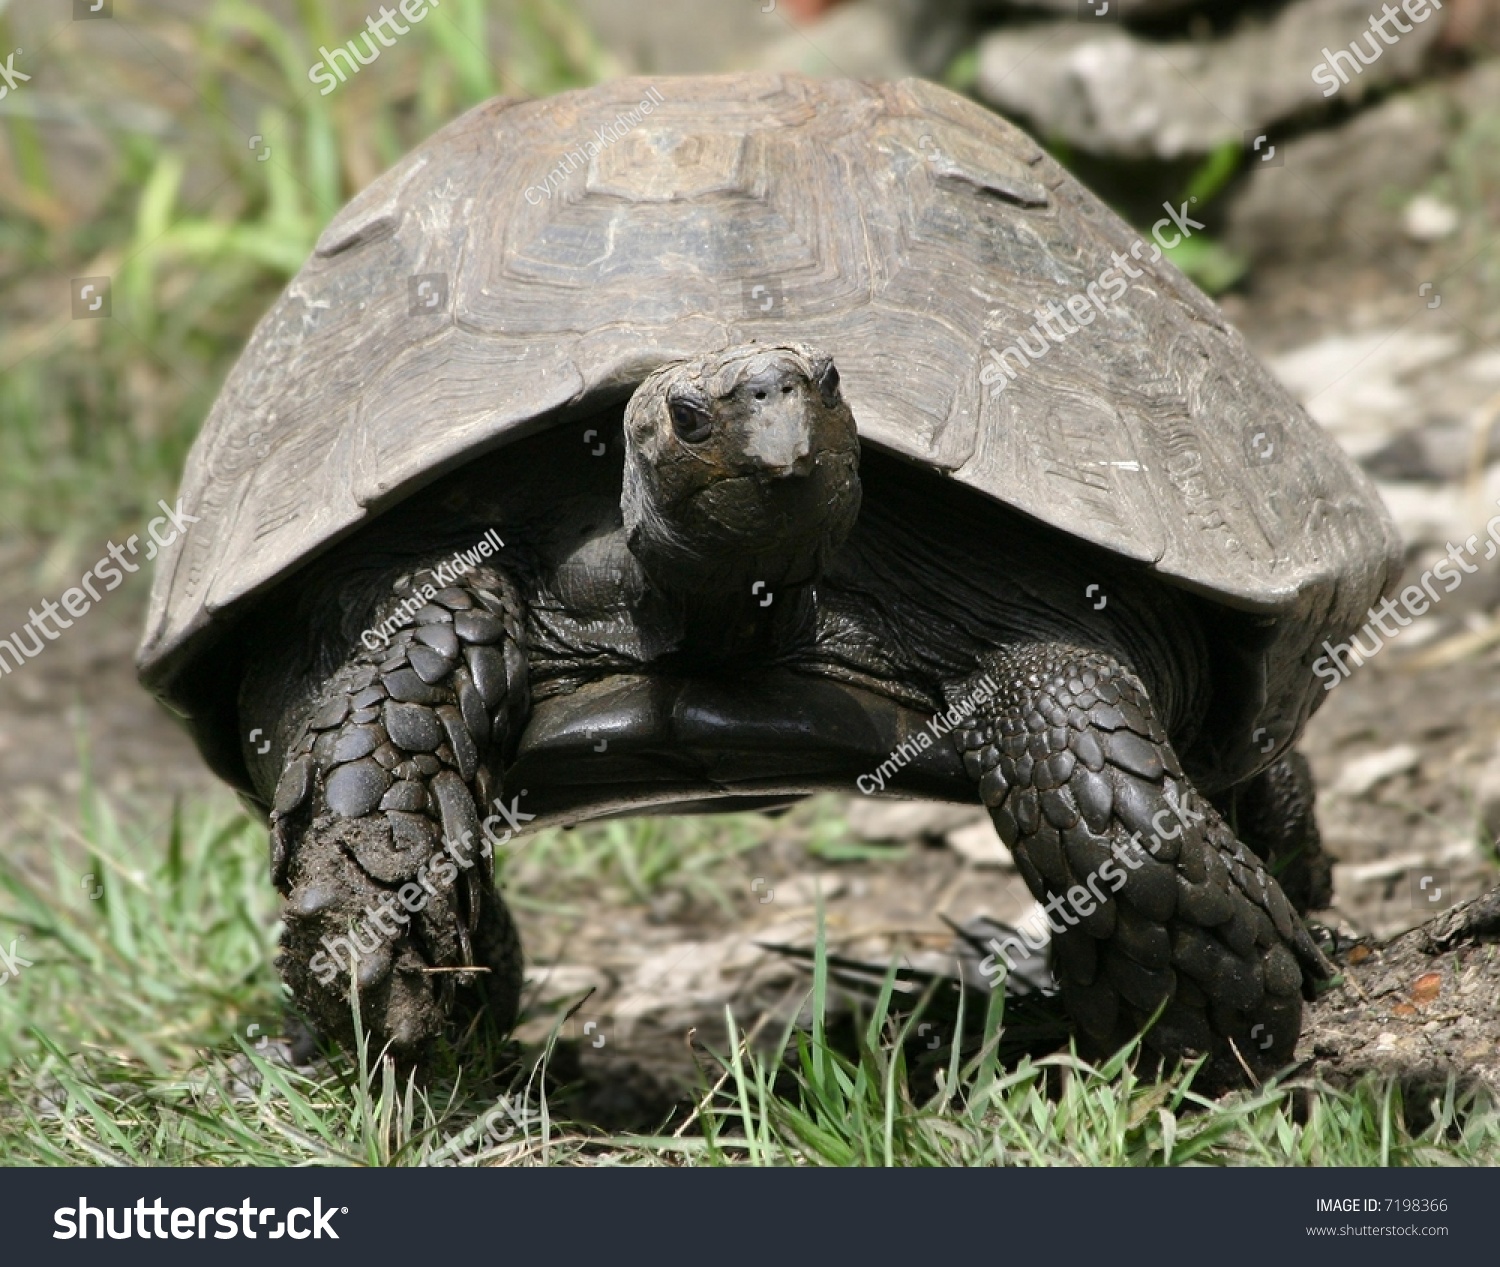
[{"x": 740, "y": 466}]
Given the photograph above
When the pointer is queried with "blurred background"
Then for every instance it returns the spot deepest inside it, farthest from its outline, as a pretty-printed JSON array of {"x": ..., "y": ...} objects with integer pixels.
[{"x": 174, "y": 154}]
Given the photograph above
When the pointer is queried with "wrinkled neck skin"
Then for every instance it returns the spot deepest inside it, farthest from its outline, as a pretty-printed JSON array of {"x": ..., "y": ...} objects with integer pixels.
[{"x": 731, "y": 596}]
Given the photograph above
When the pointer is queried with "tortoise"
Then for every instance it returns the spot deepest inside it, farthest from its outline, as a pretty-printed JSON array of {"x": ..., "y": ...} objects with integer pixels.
[{"x": 641, "y": 450}]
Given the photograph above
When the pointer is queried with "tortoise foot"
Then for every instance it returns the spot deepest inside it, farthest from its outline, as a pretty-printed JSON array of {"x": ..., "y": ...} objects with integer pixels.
[
  {"x": 1152, "y": 901},
  {"x": 424, "y": 957}
]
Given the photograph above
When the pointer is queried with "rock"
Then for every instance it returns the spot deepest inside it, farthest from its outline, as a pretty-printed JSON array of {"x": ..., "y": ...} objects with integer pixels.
[
  {"x": 671, "y": 37},
  {"x": 1484, "y": 367},
  {"x": 1487, "y": 797},
  {"x": 1348, "y": 875},
  {"x": 1110, "y": 92},
  {"x": 1429, "y": 219},
  {"x": 980, "y": 845},
  {"x": 1477, "y": 88},
  {"x": 565, "y": 981},
  {"x": 801, "y": 890},
  {"x": 1446, "y": 449},
  {"x": 1432, "y": 515},
  {"x": 1398, "y": 144},
  {"x": 1353, "y": 383},
  {"x": 1423, "y": 630},
  {"x": 881, "y": 820},
  {"x": 1362, "y": 774},
  {"x": 1473, "y": 24},
  {"x": 1401, "y": 143}
]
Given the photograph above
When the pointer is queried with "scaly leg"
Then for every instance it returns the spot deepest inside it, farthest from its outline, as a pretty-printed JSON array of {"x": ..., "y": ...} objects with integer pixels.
[
  {"x": 1273, "y": 814},
  {"x": 1153, "y": 899},
  {"x": 376, "y": 839}
]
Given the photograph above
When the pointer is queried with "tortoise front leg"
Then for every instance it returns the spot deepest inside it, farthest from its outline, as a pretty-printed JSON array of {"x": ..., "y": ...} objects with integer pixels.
[
  {"x": 1273, "y": 814},
  {"x": 1151, "y": 898},
  {"x": 383, "y": 821}
]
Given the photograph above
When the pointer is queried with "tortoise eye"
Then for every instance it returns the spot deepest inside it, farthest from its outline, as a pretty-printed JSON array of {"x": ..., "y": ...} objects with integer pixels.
[
  {"x": 828, "y": 383},
  {"x": 692, "y": 424}
]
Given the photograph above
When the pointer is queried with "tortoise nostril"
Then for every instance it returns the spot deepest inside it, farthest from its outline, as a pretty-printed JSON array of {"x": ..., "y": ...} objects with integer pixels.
[{"x": 771, "y": 380}]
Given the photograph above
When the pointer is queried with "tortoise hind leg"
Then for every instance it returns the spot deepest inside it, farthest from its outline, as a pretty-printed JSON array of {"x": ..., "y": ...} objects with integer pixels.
[
  {"x": 1273, "y": 814},
  {"x": 376, "y": 840},
  {"x": 1151, "y": 899}
]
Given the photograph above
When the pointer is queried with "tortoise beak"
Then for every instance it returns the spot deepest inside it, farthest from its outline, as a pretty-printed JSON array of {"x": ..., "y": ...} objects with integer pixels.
[{"x": 780, "y": 422}]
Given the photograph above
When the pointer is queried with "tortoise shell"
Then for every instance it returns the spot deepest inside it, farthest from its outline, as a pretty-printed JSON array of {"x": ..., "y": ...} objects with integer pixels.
[{"x": 533, "y": 261}]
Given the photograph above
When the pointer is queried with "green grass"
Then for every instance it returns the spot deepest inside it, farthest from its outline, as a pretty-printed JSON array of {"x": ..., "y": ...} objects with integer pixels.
[
  {"x": 139, "y": 1036},
  {"x": 98, "y": 415},
  {"x": 1470, "y": 182},
  {"x": 635, "y": 859}
]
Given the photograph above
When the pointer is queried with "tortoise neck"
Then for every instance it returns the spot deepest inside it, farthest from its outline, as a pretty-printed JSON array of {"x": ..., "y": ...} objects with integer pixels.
[{"x": 751, "y": 621}]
